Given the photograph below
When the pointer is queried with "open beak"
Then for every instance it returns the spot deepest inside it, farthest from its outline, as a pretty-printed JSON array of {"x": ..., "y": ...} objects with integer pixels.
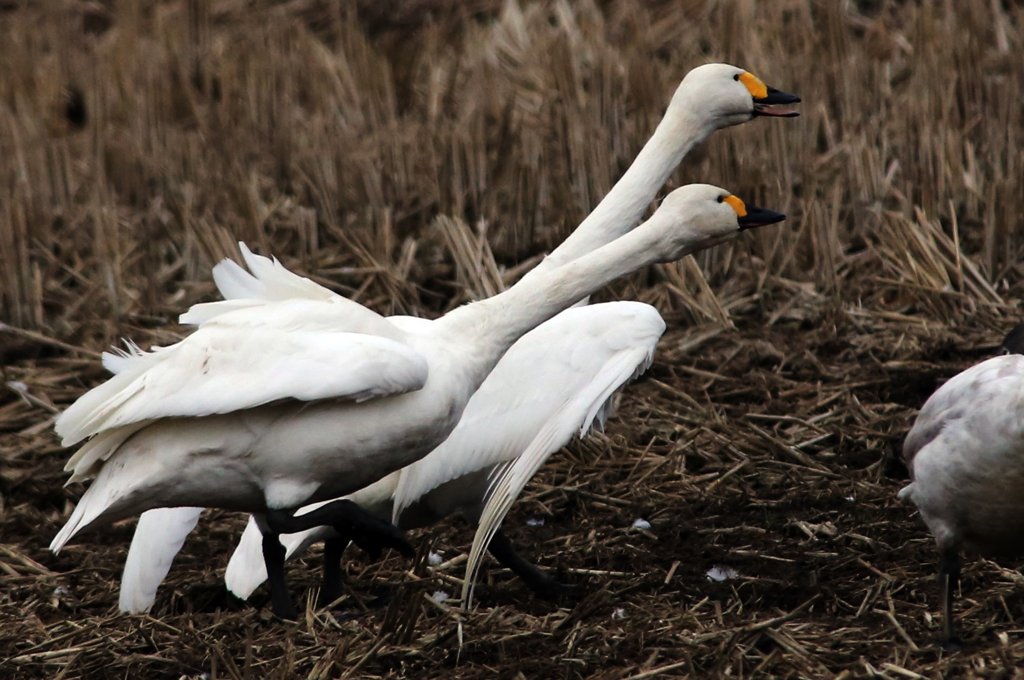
[
  {"x": 766, "y": 105},
  {"x": 759, "y": 217}
]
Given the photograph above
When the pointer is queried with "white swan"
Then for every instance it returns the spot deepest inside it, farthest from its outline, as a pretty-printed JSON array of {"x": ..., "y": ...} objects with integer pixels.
[
  {"x": 581, "y": 355},
  {"x": 265, "y": 408},
  {"x": 586, "y": 356},
  {"x": 965, "y": 454},
  {"x": 566, "y": 368}
]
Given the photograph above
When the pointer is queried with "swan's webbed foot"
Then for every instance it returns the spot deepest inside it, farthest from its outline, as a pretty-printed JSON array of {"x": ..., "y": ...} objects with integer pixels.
[
  {"x": 352, "y": 613},
  {"x": 536, "y": 579},
  {"x": 548, "y": 587},
  {"x": 952, "y": 644}
]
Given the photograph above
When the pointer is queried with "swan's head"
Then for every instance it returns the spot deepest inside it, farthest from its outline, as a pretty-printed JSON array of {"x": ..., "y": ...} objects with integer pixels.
[
  {"x": 722, "y": 95},
  {"x": 698, "y": 216}
]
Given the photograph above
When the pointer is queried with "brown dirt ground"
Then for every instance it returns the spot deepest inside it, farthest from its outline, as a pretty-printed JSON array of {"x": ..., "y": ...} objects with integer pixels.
[{"x": 769, "y": 446}]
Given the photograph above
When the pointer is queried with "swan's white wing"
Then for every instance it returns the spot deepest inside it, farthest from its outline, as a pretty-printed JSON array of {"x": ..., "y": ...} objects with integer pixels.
[
  {"x": 958, "y": 398},
  {"x": 269, "y": 281},
  {"x": 219, "y": 369},
  {"x": 575, "y": 416},
  {"x": 578, "y": 352},
  {"x": 158, "y": 537},
  {"x": 974, "y": 415},
  {"x": 337, "y": 312}
]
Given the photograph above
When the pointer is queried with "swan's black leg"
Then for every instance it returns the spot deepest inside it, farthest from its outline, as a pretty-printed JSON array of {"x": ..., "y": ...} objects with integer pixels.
[
  {"x": 331, "y": 588},
  {"x": 949, "y": 579},
  {"x": 348, "y": 519},
  {"x": 273, "y": 556},
  {"x": 535, "y": 578},
  {"x": 370, "y": 533}
]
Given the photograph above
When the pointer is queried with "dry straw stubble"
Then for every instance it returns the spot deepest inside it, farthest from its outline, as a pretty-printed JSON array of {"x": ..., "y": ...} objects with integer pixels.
[{"x": 413, "y": 155}]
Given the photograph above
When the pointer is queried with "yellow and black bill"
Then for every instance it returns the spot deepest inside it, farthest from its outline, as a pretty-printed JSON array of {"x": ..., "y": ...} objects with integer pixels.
[
  {"x": 759, "y": 217},
  {"x": 773, "y": 104}
]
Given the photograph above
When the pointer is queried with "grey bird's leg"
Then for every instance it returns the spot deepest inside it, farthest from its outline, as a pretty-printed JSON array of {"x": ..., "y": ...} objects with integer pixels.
[{"x": 949, "y": 580}]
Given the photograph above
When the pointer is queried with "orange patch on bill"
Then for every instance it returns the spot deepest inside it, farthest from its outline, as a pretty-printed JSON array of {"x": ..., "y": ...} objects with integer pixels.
[
  {"x": 757, "y": 89},
  {"x": 737, "y": 205}
]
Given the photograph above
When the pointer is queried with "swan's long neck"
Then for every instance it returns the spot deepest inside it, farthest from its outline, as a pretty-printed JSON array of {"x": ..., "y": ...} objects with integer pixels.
[
  {"x": 623, "y": 206},
  {"x": 491, "y": 326}
]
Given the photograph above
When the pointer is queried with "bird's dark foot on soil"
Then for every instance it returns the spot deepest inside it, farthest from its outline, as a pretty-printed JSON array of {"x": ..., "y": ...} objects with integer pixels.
[
  {"x": 951, "y": 644},
  {"x": 550, "y": 588},
  {"x": 330, "y": 590},
  {"x": 536, "y": 579},
  {"x": 351, "y": 613}
]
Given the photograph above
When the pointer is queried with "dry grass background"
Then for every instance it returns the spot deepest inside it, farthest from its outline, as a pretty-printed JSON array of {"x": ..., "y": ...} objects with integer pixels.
[{"x": 414, "y": 154}]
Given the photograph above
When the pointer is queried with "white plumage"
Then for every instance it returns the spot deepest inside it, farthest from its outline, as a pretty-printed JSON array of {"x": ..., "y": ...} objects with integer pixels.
[
  {"x": 965, "y": 454},
  {"x": 278, "y": 454},
  {"x": 550, "y": 370},
  {"x": 560, "y": 375}
]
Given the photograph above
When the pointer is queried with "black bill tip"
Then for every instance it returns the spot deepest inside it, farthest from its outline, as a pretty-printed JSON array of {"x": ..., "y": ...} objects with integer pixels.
[
  {"x": 759, "y": 217},
  {"x": 763, "y": 105}
]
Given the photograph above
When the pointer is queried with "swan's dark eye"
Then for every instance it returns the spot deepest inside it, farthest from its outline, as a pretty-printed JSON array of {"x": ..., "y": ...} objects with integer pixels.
[
  {"x": 736, "y": 77},
  {"x": 721, "y": 198}
]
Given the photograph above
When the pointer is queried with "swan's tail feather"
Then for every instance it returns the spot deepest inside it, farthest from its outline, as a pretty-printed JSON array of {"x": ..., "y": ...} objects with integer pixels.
[
  {"x": 158, "y": 537},
  {"x": 84, "y": 514},
  {"x": 83, "y": 464},
  {"x": 119, "y": 491}
]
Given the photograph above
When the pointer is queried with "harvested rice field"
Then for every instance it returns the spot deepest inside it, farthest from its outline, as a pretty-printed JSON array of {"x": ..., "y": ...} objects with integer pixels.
[{"x": 417, "y": 155}]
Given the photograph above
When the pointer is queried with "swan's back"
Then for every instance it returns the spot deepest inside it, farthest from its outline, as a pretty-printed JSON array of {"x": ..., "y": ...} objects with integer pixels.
[{"x": 965, "y": 454}]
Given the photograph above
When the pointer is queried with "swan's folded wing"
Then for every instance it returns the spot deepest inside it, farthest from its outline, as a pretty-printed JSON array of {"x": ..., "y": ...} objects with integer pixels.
[
  {"x": 968, "y": 396},
  {"x": 221, "y": 369},
  {"x": 577, "y": 354}
]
